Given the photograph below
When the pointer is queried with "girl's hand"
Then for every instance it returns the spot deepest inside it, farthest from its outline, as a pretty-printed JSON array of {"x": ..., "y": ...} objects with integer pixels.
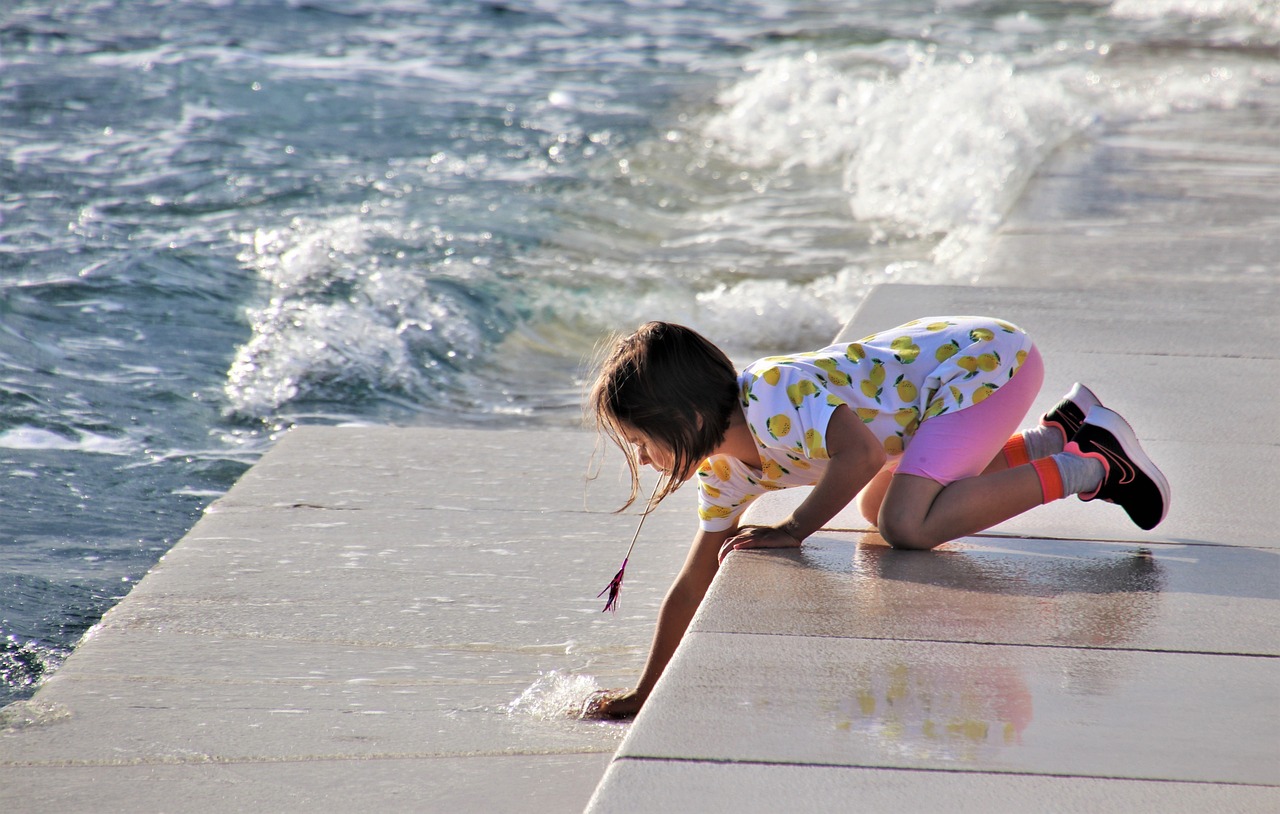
[
  {"x": 758, "y": 537},
  {"x": 612, "y": 704}
]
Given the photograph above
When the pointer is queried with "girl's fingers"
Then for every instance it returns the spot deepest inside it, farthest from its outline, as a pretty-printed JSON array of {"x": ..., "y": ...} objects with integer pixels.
[
  {"x": 757, "y": 537},
  {"x": 735, "y": 544},
  {"x": 611, "y": 704},
  {"x": 600, "y": 702},
  {"x": 724, "y": 550}
]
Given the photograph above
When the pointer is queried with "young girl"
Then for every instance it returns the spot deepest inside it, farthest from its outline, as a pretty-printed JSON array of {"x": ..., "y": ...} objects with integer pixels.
[{"x": 917, "y": 423}]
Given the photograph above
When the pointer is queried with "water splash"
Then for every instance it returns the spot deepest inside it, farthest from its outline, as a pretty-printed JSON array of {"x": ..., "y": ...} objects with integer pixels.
[
  {"x": 555, "y": 695},
  {"x": 25, "y": 664},
  {"x": 28, "y": 714},
  {"x": 350, "y": 318}
]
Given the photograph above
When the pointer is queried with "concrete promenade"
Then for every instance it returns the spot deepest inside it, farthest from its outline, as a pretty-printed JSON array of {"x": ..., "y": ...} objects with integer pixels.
[
  {"x": 329, "y": 636},
  {"x": 345, "y": 629}
]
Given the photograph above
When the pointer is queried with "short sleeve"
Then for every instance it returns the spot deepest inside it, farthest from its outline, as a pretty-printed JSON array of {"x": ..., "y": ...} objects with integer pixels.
[{"x": 724, "y": 492}]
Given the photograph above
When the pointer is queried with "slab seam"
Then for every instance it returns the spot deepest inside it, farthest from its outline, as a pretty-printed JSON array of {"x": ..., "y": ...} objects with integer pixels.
[
  {"x": 929, "y": 769},
  {"x": 1100, "y": 648},
  {"x": 1054, "y": 539},
  {"x": 213, "y": 760}
]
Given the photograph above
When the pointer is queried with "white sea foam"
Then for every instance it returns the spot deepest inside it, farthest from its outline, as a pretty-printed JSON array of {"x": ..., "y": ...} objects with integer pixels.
[
  {"x": 41, "y": 439},
  {"x": 943, "y": 147},
  {"x": 341, "y": 323},
  {"x": 1264, "y": 13}
]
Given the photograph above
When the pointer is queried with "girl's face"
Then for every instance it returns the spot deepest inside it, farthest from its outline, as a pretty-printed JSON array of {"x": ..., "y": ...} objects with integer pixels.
[{"x": 651, "y": 452}]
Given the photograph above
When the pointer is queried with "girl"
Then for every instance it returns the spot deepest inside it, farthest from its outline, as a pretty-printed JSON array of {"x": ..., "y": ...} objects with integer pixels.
[{"x": 917, "y": 423}]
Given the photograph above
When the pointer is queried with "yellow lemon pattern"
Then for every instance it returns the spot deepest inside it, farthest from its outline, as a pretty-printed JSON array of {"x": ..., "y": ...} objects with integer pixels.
[
  {"x": 907, "y": 390},
  {"x": 721, "y": 468},
  {"x": 905, "y": 350},
  {"x": 892, "y": 381},
  {"x": 779, "y": 426}
]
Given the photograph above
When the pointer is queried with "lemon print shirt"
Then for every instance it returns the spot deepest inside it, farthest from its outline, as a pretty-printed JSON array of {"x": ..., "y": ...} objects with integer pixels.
[{"x": 892, "y": 380}]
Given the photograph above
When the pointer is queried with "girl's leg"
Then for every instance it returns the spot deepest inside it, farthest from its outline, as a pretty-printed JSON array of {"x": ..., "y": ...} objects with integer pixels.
[
  {"x": 938, "y": 494},
  {"x": 872, "y": 495},
  {"x": 922, "y": 513},
  {"x": 955, "y": 478}
]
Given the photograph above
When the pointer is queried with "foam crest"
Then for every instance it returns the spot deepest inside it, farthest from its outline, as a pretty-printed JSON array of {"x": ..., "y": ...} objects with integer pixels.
[
  {"x": 746, "y": 317},
  {"x": 1265, "y": 13},
  {"x": 35, "y": 438},
  {"x": 24, "y": 664},
  {"x": 343, "y": 325},
  {"x": 948, "y": 148},
  {"x": 793, "y": 111},
  {"x": 941, "y": 148}
]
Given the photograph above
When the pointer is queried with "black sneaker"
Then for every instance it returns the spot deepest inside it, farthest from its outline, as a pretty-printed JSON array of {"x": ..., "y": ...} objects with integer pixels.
[
  {"x": 1069, "y": 413},
  {"x": 1131, "y": 481}
]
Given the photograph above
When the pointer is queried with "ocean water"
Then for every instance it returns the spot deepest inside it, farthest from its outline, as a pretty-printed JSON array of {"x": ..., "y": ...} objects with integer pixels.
[{"x": 221, "y": 218}]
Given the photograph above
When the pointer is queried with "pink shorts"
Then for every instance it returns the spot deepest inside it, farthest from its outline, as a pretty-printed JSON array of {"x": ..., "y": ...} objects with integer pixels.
[{"x": 962, "y": 444}]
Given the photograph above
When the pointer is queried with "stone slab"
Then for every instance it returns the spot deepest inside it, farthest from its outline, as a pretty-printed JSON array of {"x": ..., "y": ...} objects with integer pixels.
[
  {"x": 1218, "y": 497},
  {"x": 197, "y": 699},
  {"x": 158, "y": 720},
  {"x": 408, "y": 578},
  {"x": 427, "y": 467},
  {"x": 507, "y": 784},
  {"x": 942, "y": 706},
  {"x": 663, "y": 786},
  {"x": 348, "y": 609},
  {"x": 1135, "y": 255},
  {"x": 1119, "y": 318},
  {"x": 1186, "y": 197},
  {"x": 1045, "y": 593}
]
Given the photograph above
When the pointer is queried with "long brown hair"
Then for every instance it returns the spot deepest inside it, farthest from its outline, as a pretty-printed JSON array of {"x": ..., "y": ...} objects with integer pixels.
[{"x": 671, "y": 384}]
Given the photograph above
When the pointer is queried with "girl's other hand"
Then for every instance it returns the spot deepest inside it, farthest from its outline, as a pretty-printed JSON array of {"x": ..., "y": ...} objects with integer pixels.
[
  {"x": 612, "y": 705},
  {"x": 758, "y": 537}
]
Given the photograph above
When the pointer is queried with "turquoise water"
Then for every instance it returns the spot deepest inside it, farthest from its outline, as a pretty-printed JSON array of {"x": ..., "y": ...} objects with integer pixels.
[{"x": 219, "y": 219}]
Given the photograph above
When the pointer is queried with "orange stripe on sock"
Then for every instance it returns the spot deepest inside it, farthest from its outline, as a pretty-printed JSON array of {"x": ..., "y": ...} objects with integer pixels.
[
  {"x": 1050, "y": 479},
  {"x": 1015, "y": 451}
]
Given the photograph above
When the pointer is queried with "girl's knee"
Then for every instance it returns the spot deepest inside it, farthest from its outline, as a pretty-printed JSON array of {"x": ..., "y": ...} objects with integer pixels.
[
  {"x": 907, "y": 506},
  {"x": 871, "y": 517},
  {"x": 870, "y": 510},
  {"x": 904, "y": 533}
]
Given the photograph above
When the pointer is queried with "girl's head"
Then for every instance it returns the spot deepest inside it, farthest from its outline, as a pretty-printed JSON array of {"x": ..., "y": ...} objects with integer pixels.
[{"x": 664, "y": 395}]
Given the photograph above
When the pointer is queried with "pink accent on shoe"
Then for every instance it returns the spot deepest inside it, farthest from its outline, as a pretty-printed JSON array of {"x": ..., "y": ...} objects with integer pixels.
[{"x": 1070, "y": 412}]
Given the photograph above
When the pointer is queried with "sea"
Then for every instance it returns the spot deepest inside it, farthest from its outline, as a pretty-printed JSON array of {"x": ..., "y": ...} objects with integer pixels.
[{"x": 223, "y": 218}]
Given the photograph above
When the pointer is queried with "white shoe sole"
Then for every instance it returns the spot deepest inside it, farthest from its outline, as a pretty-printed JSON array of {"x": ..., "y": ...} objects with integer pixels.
[{"x": 1114, "y": 423}]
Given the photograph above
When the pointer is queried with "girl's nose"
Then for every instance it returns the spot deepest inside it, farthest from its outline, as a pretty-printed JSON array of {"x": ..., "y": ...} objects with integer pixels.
[{"x": 645, "y": 460}]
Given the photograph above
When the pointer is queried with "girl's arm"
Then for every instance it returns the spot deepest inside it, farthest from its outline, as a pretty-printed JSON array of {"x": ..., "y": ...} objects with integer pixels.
[
  {"x": 856, "y": 457},
  {"x": 682, "y": 600}
]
